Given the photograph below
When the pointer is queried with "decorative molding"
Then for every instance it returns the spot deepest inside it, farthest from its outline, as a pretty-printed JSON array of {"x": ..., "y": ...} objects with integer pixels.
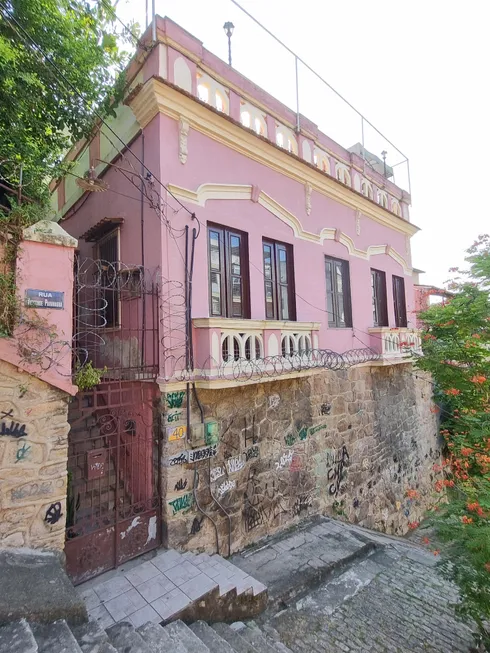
[
  {"x": 226, "y": 323},
  {"x": 255, "y": 194},
  {"x": 183, "y": 134},
  {"x": 358, "y": 223},
  {"x": 246, "y": 192},
  {"x": 308, "y": 190},
  {"x": 156, "y": 96}
]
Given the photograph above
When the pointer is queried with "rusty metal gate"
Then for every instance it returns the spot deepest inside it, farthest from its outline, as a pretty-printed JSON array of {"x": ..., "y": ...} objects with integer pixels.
[{"x": 113, "y": 499}]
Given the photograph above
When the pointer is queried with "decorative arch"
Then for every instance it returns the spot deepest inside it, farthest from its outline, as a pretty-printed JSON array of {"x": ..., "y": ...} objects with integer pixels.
[
  {"x": 210, "y": 191},
  {"x": 396, "y": 208},
  {"x": 343, "y": 174},
  {"x": 286, "y": 139},
  {"x": 367, "y": 189},
  {"x": 182, "y": 74},
  {"x": 382, "y": 199}
]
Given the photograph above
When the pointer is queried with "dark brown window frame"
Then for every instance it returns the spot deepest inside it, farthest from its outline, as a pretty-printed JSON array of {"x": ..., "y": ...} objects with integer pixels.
[
  {"x": 399, "y": 301},
  {"x": 380, "y": 301},
  {"x": 110, "y": 291},
  {"x": 334, "y": 320},
  {"x": 225, "y": 272},
  {"x": 274, "y": 281}
]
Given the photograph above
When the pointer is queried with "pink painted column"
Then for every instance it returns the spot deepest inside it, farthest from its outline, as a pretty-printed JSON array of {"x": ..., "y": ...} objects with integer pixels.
[{"x": 44, "y": 277}]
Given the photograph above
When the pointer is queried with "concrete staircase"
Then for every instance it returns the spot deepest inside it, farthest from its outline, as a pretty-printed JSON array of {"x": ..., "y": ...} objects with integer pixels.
[
  {"x": 175, "y": 637},
  {"x": 172, "y": 585}
]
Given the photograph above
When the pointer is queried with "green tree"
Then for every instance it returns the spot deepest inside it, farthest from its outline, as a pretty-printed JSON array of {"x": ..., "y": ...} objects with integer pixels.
[
  {"x": 456, "y": 350},
  {"x": 41, "y": 115}
]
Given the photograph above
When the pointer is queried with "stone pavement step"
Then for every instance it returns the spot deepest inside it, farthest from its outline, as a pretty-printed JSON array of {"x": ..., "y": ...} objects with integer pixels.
[
  {"x": 92, "y": 638},
  {"x": 210, "y": 637},
  {"x": 17, "y": 637},
  {"x": 125, "y": 639},
  {"x": 258, "y": 640},
  {"x": 234, "y": 639},
  {"x": 158, "y": 640},
  {"x": 179, "y": 632},
  {"x": 55, "y": 638},
  {"x": 291, "y": 564},
  {"x": 35, "y": 587}
]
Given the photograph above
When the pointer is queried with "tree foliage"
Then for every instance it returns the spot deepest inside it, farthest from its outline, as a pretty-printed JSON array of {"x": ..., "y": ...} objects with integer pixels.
[
  {"x": 41, "y": 113},
  {"x": 456, "y": 348}
]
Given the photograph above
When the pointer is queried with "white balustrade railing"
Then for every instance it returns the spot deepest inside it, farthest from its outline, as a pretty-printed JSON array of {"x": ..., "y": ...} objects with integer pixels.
[{"x": 395, "y": 343}]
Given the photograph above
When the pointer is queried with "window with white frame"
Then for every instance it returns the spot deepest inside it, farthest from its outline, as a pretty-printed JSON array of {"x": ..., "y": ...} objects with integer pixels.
[
  {"x": 343, "y": 174},
  {"x": 382, "y": 199},
  {"x": 366, "y": 189}
]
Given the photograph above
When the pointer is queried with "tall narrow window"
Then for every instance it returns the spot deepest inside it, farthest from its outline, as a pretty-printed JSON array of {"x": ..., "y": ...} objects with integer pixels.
[
  {"x": 338, "y": 293},
  {"x": 399, "y": 301},
  {"x": 108, "y": 254},
  {"x": 279, "y": 281},
  {"x": 380, "y": 307},
  {"x": 228, "y": 273}
]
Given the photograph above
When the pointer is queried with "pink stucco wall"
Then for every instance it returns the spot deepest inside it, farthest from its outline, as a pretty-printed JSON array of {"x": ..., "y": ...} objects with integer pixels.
[{"x": 44, "y": 266}]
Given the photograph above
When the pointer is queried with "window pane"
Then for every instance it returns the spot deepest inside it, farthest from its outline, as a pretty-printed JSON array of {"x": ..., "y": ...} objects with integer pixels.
[
  {"x": 283, "y": 268},
  {"x": 284, "y": 303},
  {"x": 235, "y": 254},
  {"x": 269, "y": 300},
  {"x": 338, "y": 276},
  {"x": 267, "y": 261},
  {"x": 329, "y": 276},
  {"x": 214, "y": 249},
  {"x": 216, "y": 293},
  {"x": 236, "y": 297},
  {"x": 341, "y": 312},
  {"x": 330, "y": 307}
]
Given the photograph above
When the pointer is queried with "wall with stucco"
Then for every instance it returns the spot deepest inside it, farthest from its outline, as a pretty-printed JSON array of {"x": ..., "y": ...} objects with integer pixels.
[{"x": 349, "y": 444}]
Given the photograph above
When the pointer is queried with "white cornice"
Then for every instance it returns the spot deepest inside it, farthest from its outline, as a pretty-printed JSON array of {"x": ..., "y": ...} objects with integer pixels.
[
  {"x": 207, "y": 192},
  {"x": 155, "y": 96}
]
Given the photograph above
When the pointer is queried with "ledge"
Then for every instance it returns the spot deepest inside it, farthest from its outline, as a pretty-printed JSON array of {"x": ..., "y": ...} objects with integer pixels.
[
  {"x": 50, "y": 233},
  {"x": 247, "y": 325}
]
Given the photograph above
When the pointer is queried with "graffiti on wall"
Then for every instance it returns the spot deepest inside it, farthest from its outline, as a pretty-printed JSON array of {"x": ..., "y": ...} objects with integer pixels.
[
  {"x": 53, "y": 513},
  {"x": 22, "y": 451},
  {"x": 178, "y": 459},
  {"x": 235, "y": 464},
  {"x": 215, "y": 473},
  {"x": 180, "y": 485},
  {"x": 195, "y": 455},
  {"x": 336, "y": 473},
  {"x": 175, "y": 399},
  {"x": 226, "y": 487},
  {"x": 182, "y": 503}
]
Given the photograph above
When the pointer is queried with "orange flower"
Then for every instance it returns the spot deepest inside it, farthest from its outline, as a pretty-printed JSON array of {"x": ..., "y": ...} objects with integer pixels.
[
  {"x": 448, "y": 483},
  {"x": 413, "y": 524},
  {"x": 425, "y": 540},
  {"x": 435, "y": 409},
  {"x": 478, "y": 378},
  {"x": 466, "y": 451},
  {"x": 436, "y": 552},
  {"x": 412, "y": 494},
  {"x": 466, "y": 520},
  {"x": 453, "y": 391},
  {"x": 439, "y": 485},
  {"x": 476, "y": 335}
]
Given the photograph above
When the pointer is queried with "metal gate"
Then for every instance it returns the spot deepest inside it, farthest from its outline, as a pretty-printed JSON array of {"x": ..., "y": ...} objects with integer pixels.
[{"x": 113, "y": 499}]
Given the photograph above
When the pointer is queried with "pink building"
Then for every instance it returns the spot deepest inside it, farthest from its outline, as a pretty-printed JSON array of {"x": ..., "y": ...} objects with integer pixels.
[{"x": 258, "y": 276}]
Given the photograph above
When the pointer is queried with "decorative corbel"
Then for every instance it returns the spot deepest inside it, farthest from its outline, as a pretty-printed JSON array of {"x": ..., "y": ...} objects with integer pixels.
[{"x": 183, "y": 133}]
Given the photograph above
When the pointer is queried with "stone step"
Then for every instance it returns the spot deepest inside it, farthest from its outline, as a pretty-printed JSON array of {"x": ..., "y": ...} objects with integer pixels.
[
  {"x": 55, "y": 638},
  {"x": 210, "y": 637},
  {"x": 234, "y": 639},
  {"x": 158, "y": 640},
  {"x": 256, "y": 636},
  {"x": 17, "y": 637},
  {"x": 125, "y": 639},
  {"x": 179, "y": 632},
  {"x": 92, "y": 638}
]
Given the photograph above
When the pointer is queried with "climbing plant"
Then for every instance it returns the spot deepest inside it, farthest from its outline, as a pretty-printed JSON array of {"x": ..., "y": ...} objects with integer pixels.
[{"x": 456, "y": 351}]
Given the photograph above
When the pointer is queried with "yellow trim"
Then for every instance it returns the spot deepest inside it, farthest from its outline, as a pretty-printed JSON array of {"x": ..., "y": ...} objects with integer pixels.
[
  {"x": 247, "y": 325},
  {"x": 207, "y": 192},
  {"x": 155, "y": 96}
]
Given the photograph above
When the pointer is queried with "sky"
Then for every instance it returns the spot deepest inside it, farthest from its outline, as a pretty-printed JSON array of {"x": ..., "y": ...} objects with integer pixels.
[{"x": 418, "y": 71}]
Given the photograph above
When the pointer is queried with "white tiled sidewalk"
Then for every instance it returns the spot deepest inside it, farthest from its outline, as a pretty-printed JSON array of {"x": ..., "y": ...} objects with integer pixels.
[{"x": 155, "y": 589}]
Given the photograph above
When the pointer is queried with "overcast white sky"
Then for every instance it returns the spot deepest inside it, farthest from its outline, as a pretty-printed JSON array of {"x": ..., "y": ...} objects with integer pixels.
[{"x": 418, "y": 70}]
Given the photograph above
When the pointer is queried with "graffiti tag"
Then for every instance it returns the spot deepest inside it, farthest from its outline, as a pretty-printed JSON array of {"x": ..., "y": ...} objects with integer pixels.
[
  {"x": 180, "y": 485},
  {"x": 226, "y": 487},
  {"x": 216, "y": 472},
  {"x": 285, "y": 459},
  {"x": 15, "y": 430},
  {"x": 196, "y": 525},
  {"x": 170, "y": 418},
  {"x": 336, "y": 473},
  {"x": 235, "y": 464},
  {"x": 53, "y": 513},
  {"x": 178, "y": 459},
  {"x": 182, "y": 503},
  {"x": 22, "y": 451},
  {"x": 251, "y": 453},
  {"x": 202, "y": 454},
  {"x": 175, "y": 399}
]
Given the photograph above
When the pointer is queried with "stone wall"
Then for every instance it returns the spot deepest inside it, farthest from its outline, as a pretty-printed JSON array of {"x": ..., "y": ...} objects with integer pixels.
[
  {"x": 33, "y": 455},
  {"x": 347, "y": 443}
]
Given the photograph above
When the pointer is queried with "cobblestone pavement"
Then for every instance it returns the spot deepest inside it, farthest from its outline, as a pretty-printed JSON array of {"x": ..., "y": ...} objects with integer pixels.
[{"x": 392, "y": 601}]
